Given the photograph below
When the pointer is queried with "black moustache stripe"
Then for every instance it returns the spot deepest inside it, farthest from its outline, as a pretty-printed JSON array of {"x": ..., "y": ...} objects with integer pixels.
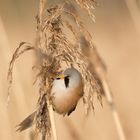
[{"x": 66, "y": 80}]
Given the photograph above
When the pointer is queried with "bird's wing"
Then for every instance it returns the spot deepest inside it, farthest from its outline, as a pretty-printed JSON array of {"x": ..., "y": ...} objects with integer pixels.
[{"x": 71, "y": 110}]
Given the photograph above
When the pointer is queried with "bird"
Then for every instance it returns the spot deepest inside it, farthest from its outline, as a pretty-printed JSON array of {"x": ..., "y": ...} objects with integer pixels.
[{"x": 67, "y": 89}]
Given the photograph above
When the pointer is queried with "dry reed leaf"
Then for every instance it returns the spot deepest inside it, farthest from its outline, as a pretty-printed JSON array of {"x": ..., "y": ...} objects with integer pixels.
[
  {"x": 87, "y": 5},
  {"x": 23, "y": 47}
]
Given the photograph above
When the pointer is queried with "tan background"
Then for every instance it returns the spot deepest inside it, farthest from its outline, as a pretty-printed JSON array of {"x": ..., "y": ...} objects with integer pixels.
[{"x": 116, "y": 34}]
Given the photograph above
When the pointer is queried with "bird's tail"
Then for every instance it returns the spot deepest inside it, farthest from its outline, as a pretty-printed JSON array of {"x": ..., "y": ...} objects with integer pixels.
[{"x": 26, "y": 123}]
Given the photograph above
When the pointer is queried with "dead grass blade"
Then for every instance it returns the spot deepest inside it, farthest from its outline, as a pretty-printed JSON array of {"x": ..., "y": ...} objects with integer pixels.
[{"x": 23, "y": 47}]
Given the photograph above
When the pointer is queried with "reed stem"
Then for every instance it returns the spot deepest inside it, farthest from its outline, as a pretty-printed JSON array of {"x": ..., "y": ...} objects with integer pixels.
[{"x": 42, "y": 4}]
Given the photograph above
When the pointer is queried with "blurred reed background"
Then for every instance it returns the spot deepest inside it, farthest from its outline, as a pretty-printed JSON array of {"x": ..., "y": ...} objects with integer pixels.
[{"x": 116, "y": 34}]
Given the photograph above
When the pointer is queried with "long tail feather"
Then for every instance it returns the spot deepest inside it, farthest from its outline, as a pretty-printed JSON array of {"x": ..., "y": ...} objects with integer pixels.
[{"x": 26, "y": 123}]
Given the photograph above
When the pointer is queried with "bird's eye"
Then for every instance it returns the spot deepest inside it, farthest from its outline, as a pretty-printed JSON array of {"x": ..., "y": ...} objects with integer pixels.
[{"x": 58, "y": 78}]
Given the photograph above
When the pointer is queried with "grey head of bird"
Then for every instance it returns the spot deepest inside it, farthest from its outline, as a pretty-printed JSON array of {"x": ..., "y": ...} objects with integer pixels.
[
  {"x": 67, "y": 90},
  {"x": 71, "y": 77}
]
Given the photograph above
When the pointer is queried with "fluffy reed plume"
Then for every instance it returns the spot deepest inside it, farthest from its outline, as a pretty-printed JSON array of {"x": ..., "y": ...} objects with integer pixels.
[
  {"x": 88, "y": 5},
  {"x": 56, "y": 52}
]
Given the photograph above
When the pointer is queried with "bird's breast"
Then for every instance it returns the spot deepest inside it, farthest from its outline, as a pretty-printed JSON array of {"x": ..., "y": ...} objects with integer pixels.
[{"x": 64, "y": 98}]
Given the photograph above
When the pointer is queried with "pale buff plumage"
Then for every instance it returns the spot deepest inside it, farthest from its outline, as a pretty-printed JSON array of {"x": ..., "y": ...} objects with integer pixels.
[{"x": 64, "y": 97}]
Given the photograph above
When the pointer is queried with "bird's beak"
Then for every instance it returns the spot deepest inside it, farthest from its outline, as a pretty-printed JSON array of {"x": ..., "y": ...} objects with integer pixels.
[{"x": 62, "y": 76}]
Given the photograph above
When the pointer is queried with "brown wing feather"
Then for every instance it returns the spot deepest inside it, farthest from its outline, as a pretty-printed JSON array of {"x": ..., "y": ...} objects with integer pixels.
[{"x": 71, "y": 110}]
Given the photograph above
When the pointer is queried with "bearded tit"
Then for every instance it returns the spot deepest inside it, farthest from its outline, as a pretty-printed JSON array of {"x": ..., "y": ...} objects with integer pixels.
[{"x": 66, "y": 91}]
